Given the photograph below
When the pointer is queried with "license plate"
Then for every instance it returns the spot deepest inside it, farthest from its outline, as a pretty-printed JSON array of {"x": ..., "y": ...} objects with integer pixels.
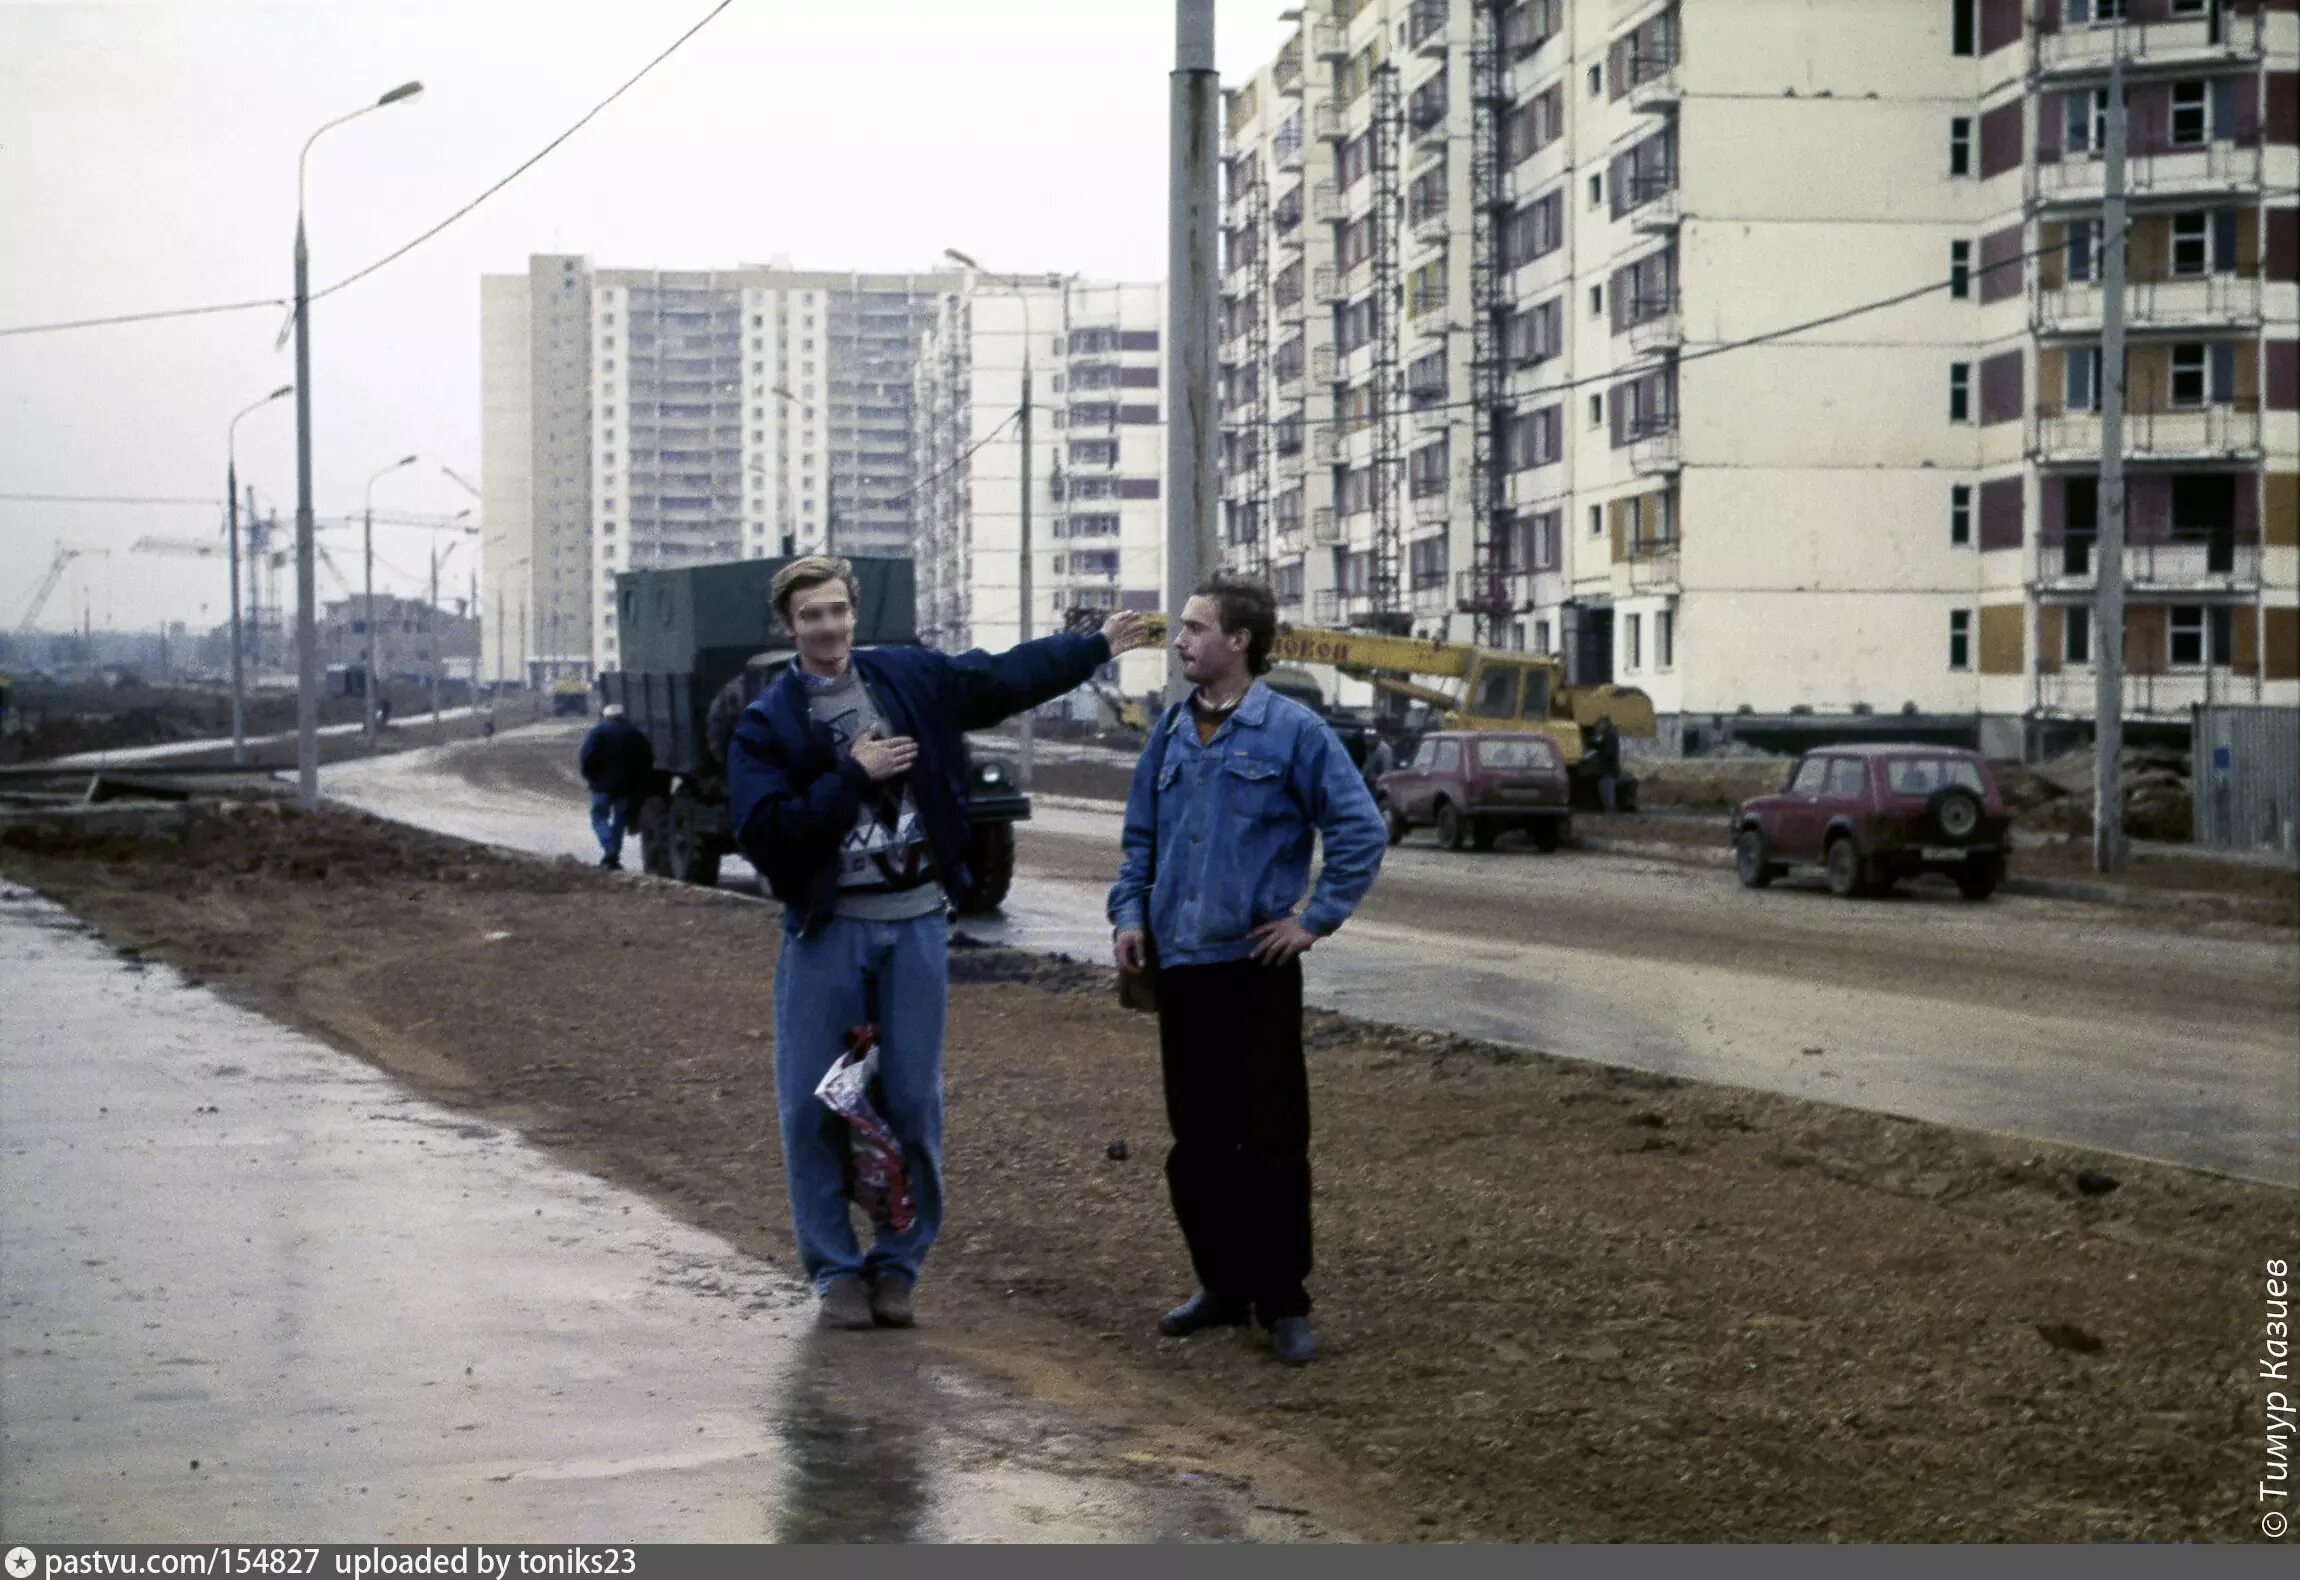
[{"x": 1944, "y": 853}]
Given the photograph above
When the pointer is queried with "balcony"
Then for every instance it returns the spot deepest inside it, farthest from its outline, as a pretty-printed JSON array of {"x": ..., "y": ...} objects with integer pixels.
[
  {"x": 2174, "y": 44},
  {"x": 1653, "y": 448},
  {"x": 2198, "y": 565},
  {"x": 2071, "y": 691},
  {"x": 1426, "y": 129},
  {"x": 1287, "y": 155},
  {"x": 1328, "y": 41},
  {"x": 1286, "y": 382},
  {"x": 1427, "y": 406},
  {"x": 1654, "y": 326},
  {"x": 1286, "y": 70},
  {"x": 1654, "y": 86},
  {"x": 1431, "y": 219},
  {"x": 1326, "y": 284},
  {"x": 1426, "y": 28},
  {"x": 1326, "y": 205},
  {"x": 1325, "y": 444},
  {"x": 1323, "y": 362},
  {"x": 1519, "y": 38},
  {"x": 1426, "y": 314},
  {"x": 1325, "y": 527},
  {"x": 1654, "y": 209},
  {"x": 1433, "y": 507},
  {"x": 1327, "y": 123},
  {"x": 1652, "y": 564},
  {"x": 1286, "y": 537},
  {"x": 1493, "y": 592},
  {"x": 2206, "y": 302},
  {"x": 1430, "y": 597},
  {"x": 2175, "y": 175},
  {"x": 2227, "y": 431}
]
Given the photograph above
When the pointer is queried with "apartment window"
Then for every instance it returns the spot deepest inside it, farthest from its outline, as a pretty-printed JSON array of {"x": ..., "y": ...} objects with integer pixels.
[
  {"x": 1597, "y": 190},
  {"x": 1960, "y": 269},
  {"x": 2096, "y": 10},
  {"x": 1597, "y": 301},
  {"x": 2087, "y": 124},
  {"x": 1633, "y": 642},
  {"x": 1963, "y": 27},
  {"x": 1541, "y": 636},
  {"x": 2190, "y": 385},
  {"x": 2083, "y": 250},
  {"x": 2076, "y": 635},
  {"x": 2191, "y": 122},
  {"x": 1597, "y": 521},
  {"x": 1960, "y": 514},
  {"x": 1665, "y": 639},
  {"x": 1597, "y": 411},
  {"x": 2080, "y": 368},
  {"x": 1960, "y": 144},
  {"x": 1960, "y": 638},
  {"x": 2203, "y": 243},
  {"x": 2200, "y": 635},
  {"x": 1960, "y": 392}
]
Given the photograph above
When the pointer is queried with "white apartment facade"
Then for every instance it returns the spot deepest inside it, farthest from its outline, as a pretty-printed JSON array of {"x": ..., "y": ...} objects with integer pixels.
[
  {"x": 1097, "y": 461},
  {"x": 1497, "y": 284},
  {"x": 639, "y": 418}
]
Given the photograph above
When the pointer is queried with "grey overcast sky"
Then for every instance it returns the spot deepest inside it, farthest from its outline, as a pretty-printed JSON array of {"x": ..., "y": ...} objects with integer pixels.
[{"x": 147, "y": 160}]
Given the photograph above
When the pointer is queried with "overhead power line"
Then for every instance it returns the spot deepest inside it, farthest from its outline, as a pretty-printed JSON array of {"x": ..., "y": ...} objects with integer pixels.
[{"x": 396, "y": 253}]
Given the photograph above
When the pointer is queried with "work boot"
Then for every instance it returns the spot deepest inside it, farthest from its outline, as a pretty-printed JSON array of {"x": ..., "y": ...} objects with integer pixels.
[
  {"x": 611, "y": 862},
  {"x": 1202, "y": 1310},
  {"x": 890, "y": 1301},
  {"x": 846, "y": 1304},
  {"x": 1292, "y": 1341}
]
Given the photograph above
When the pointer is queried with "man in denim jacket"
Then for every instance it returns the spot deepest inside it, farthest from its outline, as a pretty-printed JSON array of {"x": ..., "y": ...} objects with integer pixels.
[
  {"x": 1231, "y": 790},
  {"x": 848, "y": 790}
]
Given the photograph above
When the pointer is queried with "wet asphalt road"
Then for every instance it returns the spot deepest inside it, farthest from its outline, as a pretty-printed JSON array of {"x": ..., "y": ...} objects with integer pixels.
[{"x": 2057, "y": 1020}]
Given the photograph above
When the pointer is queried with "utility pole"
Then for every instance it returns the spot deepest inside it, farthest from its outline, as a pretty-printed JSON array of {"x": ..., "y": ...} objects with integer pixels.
[
  {"x": 431, "y": 619},
  {"x": 1025, "y": 724},
  {"x": 239, "y": 674},
  {"x": 306, "y": 570},
  {"x": 1193, "y": 263},
  {"x": 2108, "y": 573}
]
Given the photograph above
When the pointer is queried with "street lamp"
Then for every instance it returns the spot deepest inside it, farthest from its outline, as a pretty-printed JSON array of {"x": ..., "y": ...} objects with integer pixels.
[
  {"x": 306, "y": 574},
  {"x": 439, "y": 558},
  {"x": 232, "y": 507},
  {"x": 1023, "y": 724},
  {"x": 375, "y": 671}
]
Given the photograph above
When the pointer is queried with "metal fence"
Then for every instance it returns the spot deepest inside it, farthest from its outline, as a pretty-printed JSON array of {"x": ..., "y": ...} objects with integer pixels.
[{"x": 2246, "y": 776}]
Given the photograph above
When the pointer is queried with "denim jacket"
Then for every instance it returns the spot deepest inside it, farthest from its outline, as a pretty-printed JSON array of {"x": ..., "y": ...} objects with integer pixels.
[{"x": 1218, "y": 836}]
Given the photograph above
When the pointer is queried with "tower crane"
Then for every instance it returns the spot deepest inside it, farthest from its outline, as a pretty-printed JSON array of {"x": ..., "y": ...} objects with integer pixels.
[{"x": 31, "y": 620}]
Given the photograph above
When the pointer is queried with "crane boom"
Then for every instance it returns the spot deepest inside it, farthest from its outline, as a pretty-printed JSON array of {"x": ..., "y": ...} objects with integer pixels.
[{"x": 31, "y": 620}]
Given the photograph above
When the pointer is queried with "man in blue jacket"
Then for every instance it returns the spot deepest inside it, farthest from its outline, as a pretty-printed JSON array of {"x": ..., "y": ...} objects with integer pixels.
[
  {"x": 848, "y": 788},
  {"x": 1233, "y": 787}
]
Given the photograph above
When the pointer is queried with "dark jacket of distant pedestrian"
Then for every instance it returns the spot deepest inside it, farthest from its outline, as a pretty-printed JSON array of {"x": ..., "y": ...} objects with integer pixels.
[{"x": 616, "y": 759}]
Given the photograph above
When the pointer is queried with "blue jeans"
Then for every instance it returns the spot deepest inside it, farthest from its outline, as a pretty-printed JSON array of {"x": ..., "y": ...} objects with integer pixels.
[
  {"x": 609, "y": 816},
  {"x": 818, "y": 996}
]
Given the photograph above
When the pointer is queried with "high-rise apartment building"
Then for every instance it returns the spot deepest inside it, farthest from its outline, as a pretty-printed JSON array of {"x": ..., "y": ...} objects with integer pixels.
[
  {"x": 1097, "y": 461},
  {"x": 1504, "y": 282},
  {"x": 637, "y": 418}
]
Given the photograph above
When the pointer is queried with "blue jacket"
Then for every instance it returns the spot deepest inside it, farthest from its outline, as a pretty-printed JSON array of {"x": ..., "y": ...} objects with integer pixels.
[
  {"x": 1218, "y": 836},
  {"x": 794, "y": 798}
]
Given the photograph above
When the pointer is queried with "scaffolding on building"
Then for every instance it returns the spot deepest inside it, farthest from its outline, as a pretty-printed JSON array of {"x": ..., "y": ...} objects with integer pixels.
[
  {"x": 1386, "y": 609},
  {"x": 1246, "y": 544},
  {"x": 1488, "y": 591}
]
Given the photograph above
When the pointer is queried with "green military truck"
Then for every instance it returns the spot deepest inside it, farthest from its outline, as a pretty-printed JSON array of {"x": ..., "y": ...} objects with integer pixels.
[{"x": 697, "y": 644}]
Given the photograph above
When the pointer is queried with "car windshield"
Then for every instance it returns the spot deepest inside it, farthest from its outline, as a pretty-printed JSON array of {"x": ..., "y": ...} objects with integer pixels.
[
  {"x": 1514, "y": 754},
  {"x": 1921, "y": 776}
]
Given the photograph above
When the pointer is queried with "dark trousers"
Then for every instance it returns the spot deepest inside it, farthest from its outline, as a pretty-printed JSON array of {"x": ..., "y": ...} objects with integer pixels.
[{"x": 1238, "y": 1100}]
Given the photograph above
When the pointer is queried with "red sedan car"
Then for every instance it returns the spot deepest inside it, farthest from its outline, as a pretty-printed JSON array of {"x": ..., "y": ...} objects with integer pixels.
[{"x": 1870, "y": 816}]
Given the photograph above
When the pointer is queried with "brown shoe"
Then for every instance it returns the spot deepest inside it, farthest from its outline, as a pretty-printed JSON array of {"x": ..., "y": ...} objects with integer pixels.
[
  {"x": 845, "y": 1304},
  {"x": 890, "y": 1301}
]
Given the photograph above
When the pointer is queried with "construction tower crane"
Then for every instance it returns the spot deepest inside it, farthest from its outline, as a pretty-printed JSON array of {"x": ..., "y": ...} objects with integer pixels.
[{"x": 31, "y": 620}]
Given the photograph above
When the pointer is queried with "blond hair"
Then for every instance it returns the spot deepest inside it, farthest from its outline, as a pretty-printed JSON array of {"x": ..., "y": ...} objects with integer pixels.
[{"x": 810, "y": 572}]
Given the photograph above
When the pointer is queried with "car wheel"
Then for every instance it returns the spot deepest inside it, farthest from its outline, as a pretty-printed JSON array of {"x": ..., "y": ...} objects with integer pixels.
[
  {"x": 1848, "y": 875},
  {"x": 1954, "y": 814},
  {"x": 1750, "y": 860},
  {"x": 1395, "y": 821},
  {"x": 1978, "y": 878},
  {"x": 1452, "y": 827},
  {"x": 1548, "y": 834}
]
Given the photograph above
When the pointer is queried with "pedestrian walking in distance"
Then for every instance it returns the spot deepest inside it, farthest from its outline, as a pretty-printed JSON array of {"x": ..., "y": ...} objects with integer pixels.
[
  {"x": 1606, "y": 743},
  {"x": 848, "y": 784},
  {"x": 1233, "y": 789},
  {"x": 619, "y": 765}
]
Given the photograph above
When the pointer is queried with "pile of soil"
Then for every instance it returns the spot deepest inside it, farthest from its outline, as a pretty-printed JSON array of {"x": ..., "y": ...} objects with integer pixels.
[{"x": 1558, "y": 1300}]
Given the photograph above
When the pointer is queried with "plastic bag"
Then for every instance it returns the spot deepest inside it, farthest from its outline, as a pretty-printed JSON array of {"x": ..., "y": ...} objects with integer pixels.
[{"x": 876, "y": 1181}]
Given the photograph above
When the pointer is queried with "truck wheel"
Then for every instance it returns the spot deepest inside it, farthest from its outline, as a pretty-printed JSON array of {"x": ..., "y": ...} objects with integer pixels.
[
  {"x": 1750, "y": 863},
  {"x": 691, "y": 860},
  {"x": 655, "y": 835},
  {"x": 1978, "y": 878},
  {"x": 1548, "y": 833},
  {"x": 1452, "y": 827},
  {"x": 990, "y": 863},
  {"x": 1848, "y": 873}
]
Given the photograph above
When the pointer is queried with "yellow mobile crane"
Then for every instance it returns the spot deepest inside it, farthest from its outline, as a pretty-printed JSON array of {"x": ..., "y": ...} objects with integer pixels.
[{"x": 1497, "y": 689}]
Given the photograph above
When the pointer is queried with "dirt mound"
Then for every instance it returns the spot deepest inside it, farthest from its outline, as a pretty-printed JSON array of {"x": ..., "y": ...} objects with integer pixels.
[
  {"x": 1707, "y": 784},
  {"x": 270, "y": 839}
]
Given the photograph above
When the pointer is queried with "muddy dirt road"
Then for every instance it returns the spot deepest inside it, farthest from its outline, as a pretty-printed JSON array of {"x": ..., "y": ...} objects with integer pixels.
[{"x": 2150, "y": 1034}]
